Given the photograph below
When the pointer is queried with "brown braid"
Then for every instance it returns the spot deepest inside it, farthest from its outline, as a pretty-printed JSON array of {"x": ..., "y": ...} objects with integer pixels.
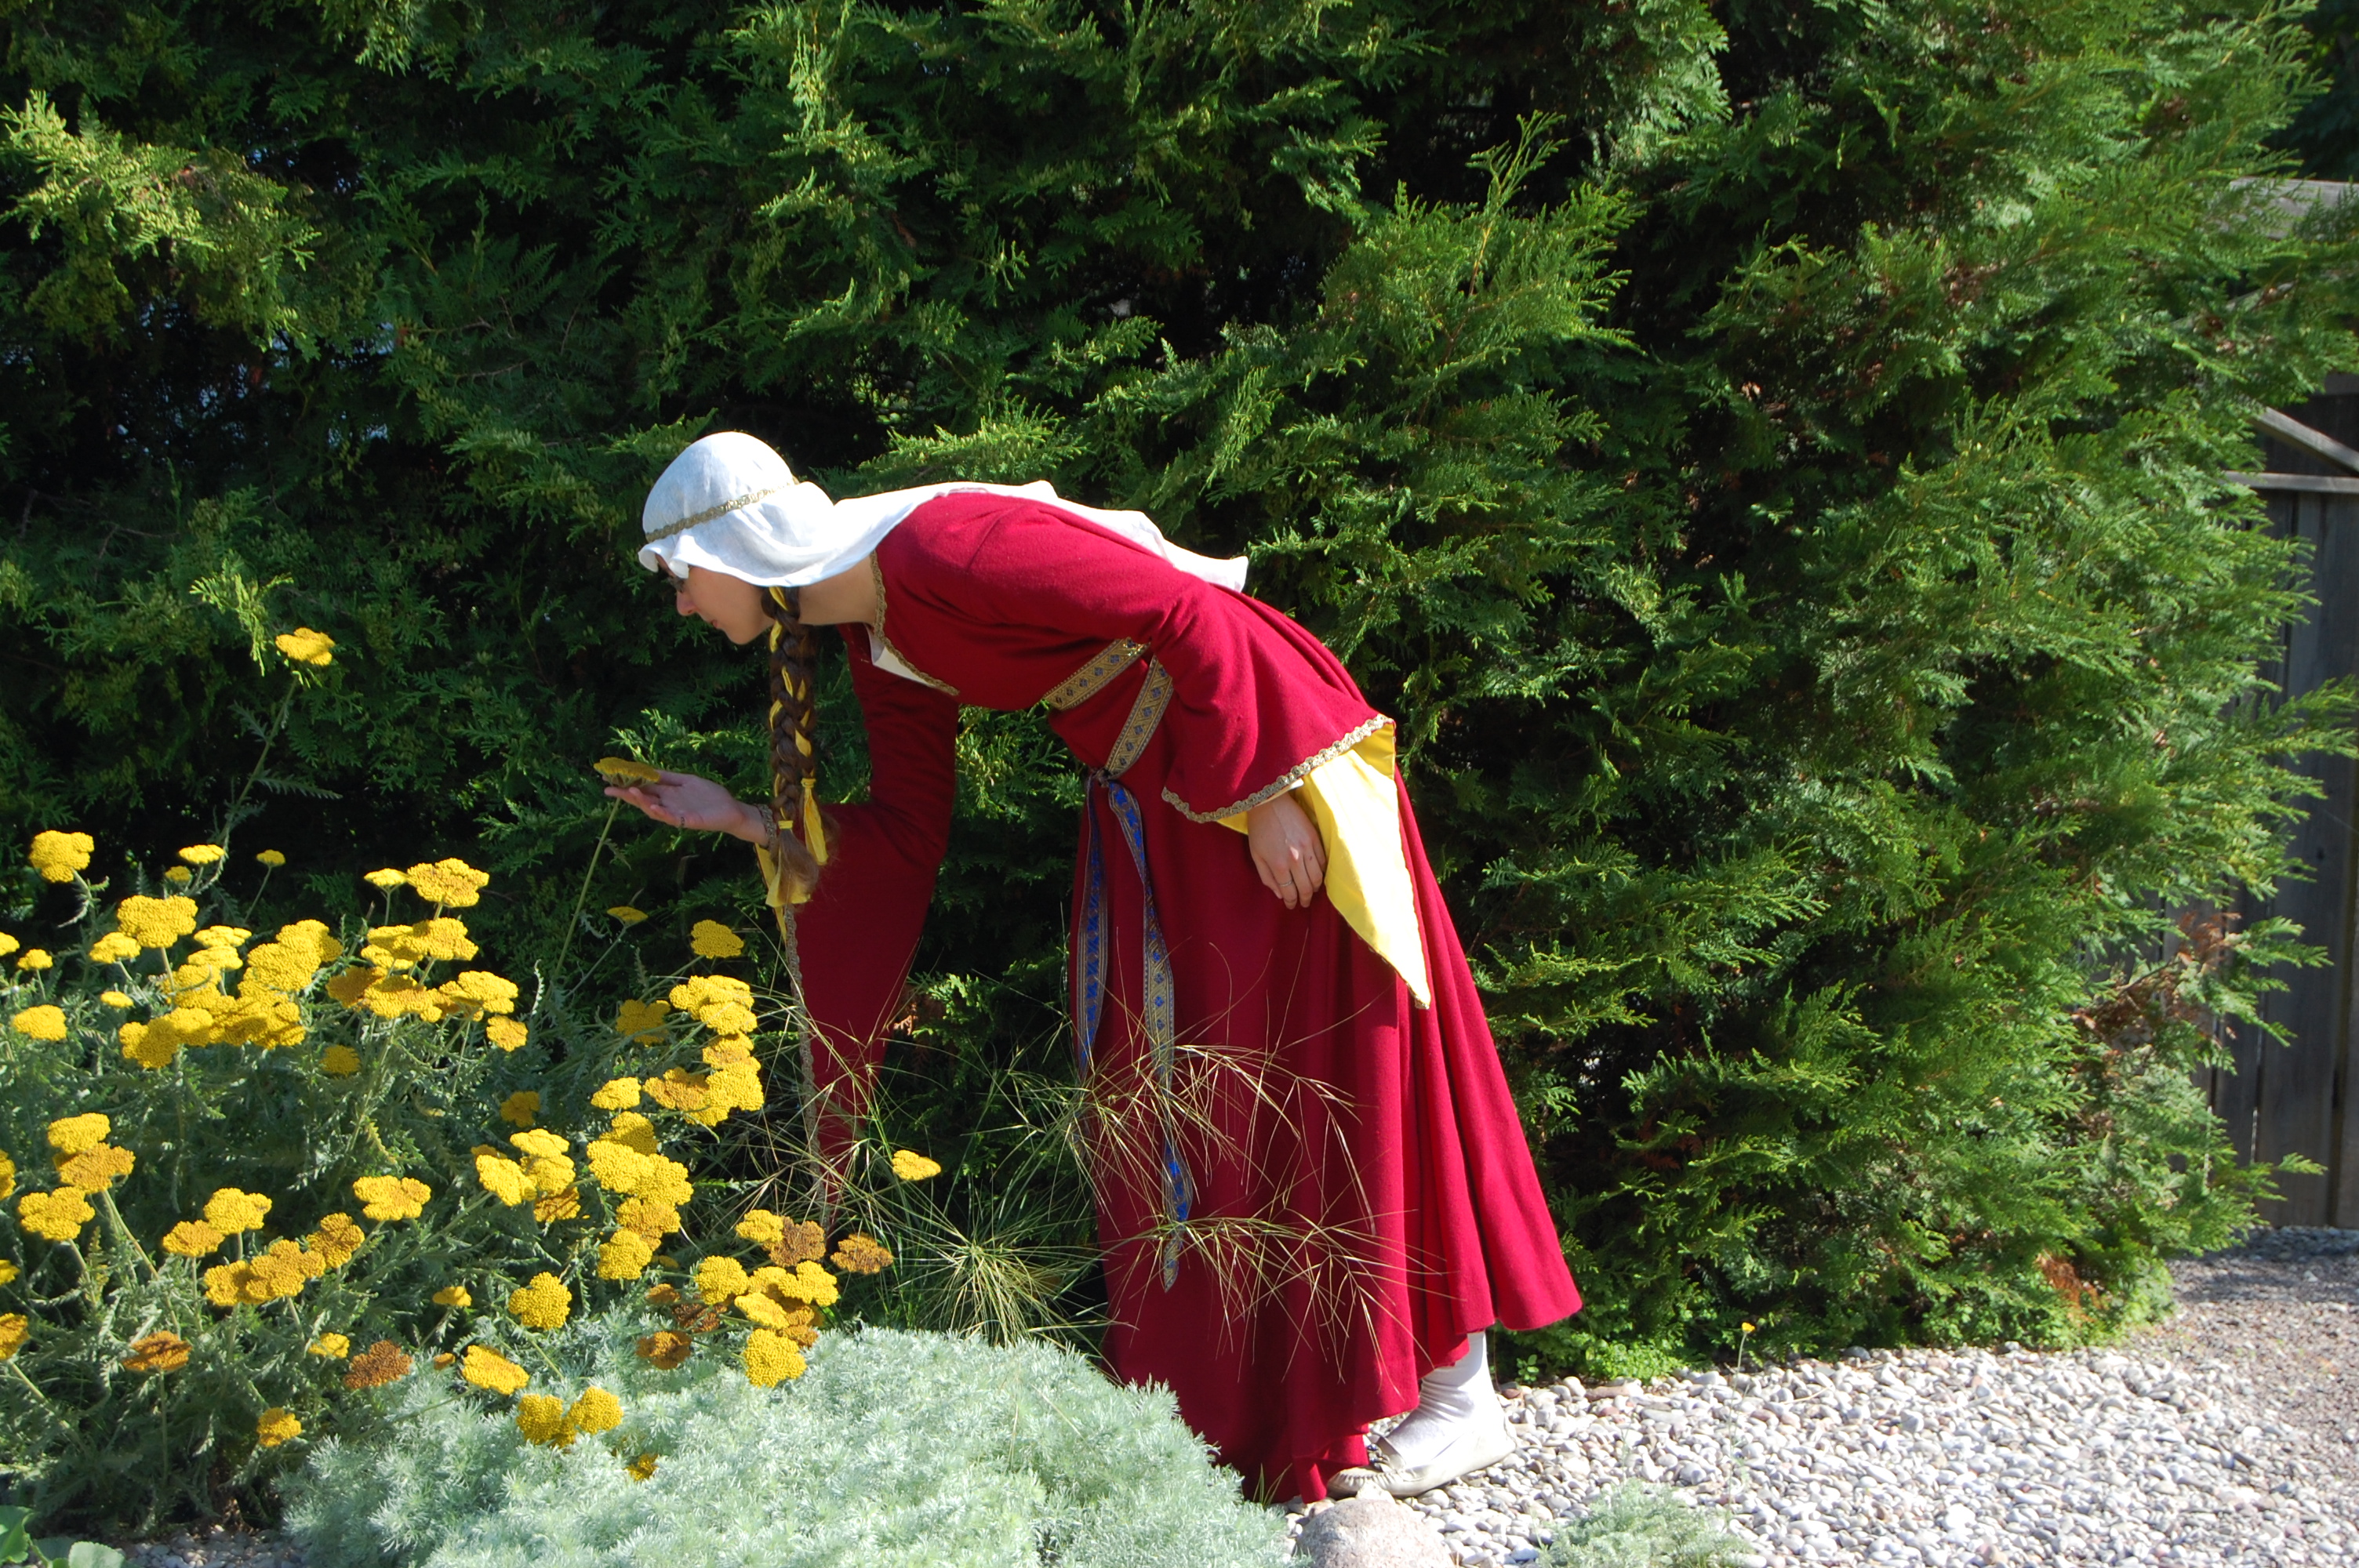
[{"x": 794, "y": 707}]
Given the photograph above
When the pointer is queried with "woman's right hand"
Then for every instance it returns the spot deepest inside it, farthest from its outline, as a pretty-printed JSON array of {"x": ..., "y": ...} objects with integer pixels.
[{"x": 684, "y": 800}]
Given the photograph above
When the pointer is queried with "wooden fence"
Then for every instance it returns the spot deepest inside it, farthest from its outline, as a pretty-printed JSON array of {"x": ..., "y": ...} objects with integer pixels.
[{"x": 2294, "y": 1099}]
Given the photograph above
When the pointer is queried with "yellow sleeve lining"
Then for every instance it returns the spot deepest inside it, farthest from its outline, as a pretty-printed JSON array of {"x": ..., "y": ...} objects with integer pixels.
[{"x": 1356, "y": 806}]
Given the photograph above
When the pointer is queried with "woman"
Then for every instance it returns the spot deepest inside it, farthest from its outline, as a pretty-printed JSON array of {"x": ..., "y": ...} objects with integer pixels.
[{"x": 1313, "y": 1192}]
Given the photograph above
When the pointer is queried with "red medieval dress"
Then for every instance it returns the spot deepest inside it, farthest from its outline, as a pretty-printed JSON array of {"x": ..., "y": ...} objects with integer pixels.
[{"x": 1311, "y": 1190}]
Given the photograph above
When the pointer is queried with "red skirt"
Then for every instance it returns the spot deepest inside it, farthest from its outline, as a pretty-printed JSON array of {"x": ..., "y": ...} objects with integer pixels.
[{"x": 1323, "y": 1189}]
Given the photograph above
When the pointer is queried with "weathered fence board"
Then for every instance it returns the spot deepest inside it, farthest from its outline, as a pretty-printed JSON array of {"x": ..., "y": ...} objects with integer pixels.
[{"x": 2290, "y": 1099}]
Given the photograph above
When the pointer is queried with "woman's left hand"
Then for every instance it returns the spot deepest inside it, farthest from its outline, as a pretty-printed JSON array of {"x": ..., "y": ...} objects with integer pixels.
[{"x": 1287, "y": 851}]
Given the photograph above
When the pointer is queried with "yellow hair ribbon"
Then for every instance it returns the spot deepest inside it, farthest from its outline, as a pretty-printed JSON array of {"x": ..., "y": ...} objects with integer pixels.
[{"x": 814, "y": 835}]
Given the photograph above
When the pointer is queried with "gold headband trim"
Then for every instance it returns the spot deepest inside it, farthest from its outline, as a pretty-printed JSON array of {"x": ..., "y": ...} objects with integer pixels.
[{"x": 710, "y": 513}]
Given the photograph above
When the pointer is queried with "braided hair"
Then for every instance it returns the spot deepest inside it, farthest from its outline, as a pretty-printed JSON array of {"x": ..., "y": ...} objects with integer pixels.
[{"x": 794, "y": 769}]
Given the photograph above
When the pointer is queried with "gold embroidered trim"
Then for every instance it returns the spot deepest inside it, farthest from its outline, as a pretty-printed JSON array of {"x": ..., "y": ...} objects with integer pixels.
[
  {"x": 710, "y": 513},
  {"x": 1091, "y": 677},
  {"x": 1146, "y": 713},
  {"x": 1285, "y": 781},
  {"x": 876, "y": 574}
]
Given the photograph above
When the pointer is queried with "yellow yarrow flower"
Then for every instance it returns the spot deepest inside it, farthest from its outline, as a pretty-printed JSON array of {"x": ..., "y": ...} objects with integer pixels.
[
  {"x": 502, "y": 1177},
  {"x": 385, "y": 878},
  {"x": 156, "y": 922},
  {"x": 521, "y": 1109},
  {"x": 912, "y": 1166},
  {"x": 277, "y": 1425},
  {"x": 69, "y": 1135},
  {"x": 392, "y": 1197},
  {"x": 271, "y": 857},
  {"x": 114, "y": 947},
  {"x": 7, "y": 944},
  {"x": 37, "y": 959},
  {"x": 97, "y": 1169},
  {"x": 457, "y": 1297},
  {"x": 42, "y": 1022},
  {"x": 545, "y": 1302},
  {"x": 452, "y": 882},
  {"x": 331, "y": 1346},
  {"x": 505, "y": 1033},
  {"x": 624, "y": 1256},
  {"x": 626, "y": 914},
  {"x": 772, "y": 1358},
  {"x": 192, "y": 1238},
  {"x": 338, "y": 1237},
  {"x": 232, "y": 1212},
  {"x": 641, "y": 1468},
  {"x": 762, "y": 1227},
  {"x": 710, "y": 939},
  {"x": 642, "y": 1021},
  {"x": 721, "y": 1279},
  {"x": 595, "y": 1411},
  {"x": 340, "y": 1061},
  {"x": 616, "y": 1094},
  {"x": 162, "y": 1351},
  {"x": 55, "y": 1216},
  {"x": 541, "y": 1419},
  {"x": 490, "y": 1370},
  {"x": 7, "y": 1272},
  {"x": 14, "y": 1329},
  {"x": 115, "y": 999},
  {"x": 7, "y": 1178},
  {"x": 305, "y": 646},
  {"x": 178, "y": 875},
  {"x": 627, "y": 770},
  {"x": 58, "y": 855},
  {"x": 203, "y": 854}
]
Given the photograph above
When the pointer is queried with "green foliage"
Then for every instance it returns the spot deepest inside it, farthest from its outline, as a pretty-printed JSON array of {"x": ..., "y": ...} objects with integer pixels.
[
  {"x": 147, "y": 1354},
  {"x": 1639, "y": 1527},
  {"x": 895, "y": 1447},
  {"x": 1766, "y": 456}
]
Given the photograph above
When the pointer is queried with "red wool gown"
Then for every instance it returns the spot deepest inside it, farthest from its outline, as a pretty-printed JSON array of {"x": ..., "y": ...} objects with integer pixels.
[{"x": 1311, "y": 1190}]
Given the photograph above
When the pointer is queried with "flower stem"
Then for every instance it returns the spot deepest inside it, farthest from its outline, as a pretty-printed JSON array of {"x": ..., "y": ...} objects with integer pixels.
[{"x": 556, "y": 971}]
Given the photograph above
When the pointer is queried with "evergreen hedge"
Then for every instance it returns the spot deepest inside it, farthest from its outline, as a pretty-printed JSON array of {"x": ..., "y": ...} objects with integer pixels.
[{"x": 1766, "y": 455}]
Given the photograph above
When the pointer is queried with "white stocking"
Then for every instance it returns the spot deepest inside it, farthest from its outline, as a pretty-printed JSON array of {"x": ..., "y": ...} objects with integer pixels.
[{"x": 1449, "y": 1400}]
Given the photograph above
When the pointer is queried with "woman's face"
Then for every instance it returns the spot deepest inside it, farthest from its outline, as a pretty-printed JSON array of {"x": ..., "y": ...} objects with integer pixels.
[{"x": 731, "y": 604}]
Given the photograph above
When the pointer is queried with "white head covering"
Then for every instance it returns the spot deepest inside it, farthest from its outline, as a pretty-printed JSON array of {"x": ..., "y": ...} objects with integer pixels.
[{"x": 729, "y": 503}]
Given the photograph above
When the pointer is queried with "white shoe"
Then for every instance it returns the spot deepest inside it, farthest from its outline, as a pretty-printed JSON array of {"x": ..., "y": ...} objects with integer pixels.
[{"x": 1479, "y": 1446}]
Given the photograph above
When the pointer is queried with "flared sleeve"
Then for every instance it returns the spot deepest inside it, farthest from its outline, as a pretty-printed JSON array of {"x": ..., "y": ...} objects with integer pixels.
[
  {"x": 1256, "y": 702},
  {"x": 856, "y": 935}
]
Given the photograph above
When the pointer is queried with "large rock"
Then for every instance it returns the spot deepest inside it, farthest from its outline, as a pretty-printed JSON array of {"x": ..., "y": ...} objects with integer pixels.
[{"x": 1371, "y": 1531}]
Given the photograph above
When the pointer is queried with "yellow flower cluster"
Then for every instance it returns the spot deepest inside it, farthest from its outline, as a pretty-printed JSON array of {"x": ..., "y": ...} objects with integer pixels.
[
  {"x": 487, "y": 1368},
  {"x": 305, "y": 646},
  {"x": 520, "y": 1109},
  {"x": 451, "y": 884},
  {"x": 56, "y": 1215},
  {"x": 277, "y": 1425},
  {"x": 58, "y": 855},
  {"x": 203, "y": 854},
  {"x": 388, "y": 986},
  {"x": 544, "y": 1303},
  {"x": 231, "y": 1212},
  {"x": 642, "y": 1022},
  {"x": 912, "y": 1166},
  {"x": 544, "y": 1418},
  {"x": 279, "y": 1272},
  {"x": 333, "y": 1346},
  {"x": 36, "y": 959},
  {"x": 392, "y": 1197},
  {"x": 720, "y": 1003},
  {"x": 382, "y": 1363},
  {"x": 162, "y": 1351},
  {"x": 41, "y": 1023},
  {"x": 625, "y": 771},
  {"x": 710, "y": 939},
  {"x": 857, "y": 1254},
  {"x": 772, "y": 1358},
  {"x": 264, "y": 1012},
  {"x": 626, "y": 914},
  {"x": 457, "y": 1297}
]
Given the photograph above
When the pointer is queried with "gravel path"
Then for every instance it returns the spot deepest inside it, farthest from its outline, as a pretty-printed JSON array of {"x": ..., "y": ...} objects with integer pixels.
[{"x": 2226, "y": 1437}]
